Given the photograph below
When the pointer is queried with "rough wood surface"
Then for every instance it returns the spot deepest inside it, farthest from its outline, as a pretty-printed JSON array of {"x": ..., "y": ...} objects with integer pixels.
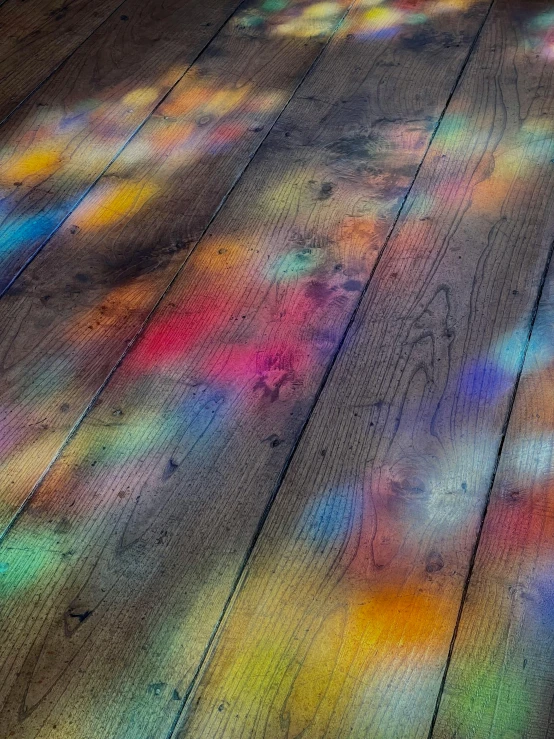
[
  {"x": 68, "y": 318},
  {"x": 343, "y": 619},
  {"x": 59, "y": 142},
  {"x": 500, "y": 682},
  {"x": 118, "y": 570},
  {"x": 36, "y": 36}
]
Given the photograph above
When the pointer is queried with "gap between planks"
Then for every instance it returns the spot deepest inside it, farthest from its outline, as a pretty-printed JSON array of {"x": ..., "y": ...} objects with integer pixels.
[
  {"x": 217, "y": 30},
  {"x": 175, "y": 275},
  {"x": 502, "y": 430},
  {"x": 57, "y": 65},
  {"x": 449, "y": 86},
  {"x": 240, "y": 575}
]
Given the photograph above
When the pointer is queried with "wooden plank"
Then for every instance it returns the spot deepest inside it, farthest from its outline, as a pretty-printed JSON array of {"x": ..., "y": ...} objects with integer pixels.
[
  {"x": 343, "y": 620},
  {"x": 36, "y": 36},
  {"x": 500, "y": 682},
  {"x": 118, "y": 570},
  {"x": 66, "y": 321},
  {"x": 64, "y": 137}
]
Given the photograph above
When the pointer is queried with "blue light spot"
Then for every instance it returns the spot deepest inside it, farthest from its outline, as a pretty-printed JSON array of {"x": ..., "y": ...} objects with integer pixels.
[
  {"x": 29, "y": 231},
  {"x": 327, "y": 519}
]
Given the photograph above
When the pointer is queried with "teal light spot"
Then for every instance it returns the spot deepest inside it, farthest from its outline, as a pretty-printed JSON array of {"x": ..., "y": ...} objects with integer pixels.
[
  {"x": 416, "y": 18},
  {"x": 273, "y": 6},
  {"x": 543, "y": 20},
  {"x": 252, "y": 21},
  {"x": 454, "y": 125},
  {"x": 298, "y": 263},
  {"x": 4, "y": 567}
]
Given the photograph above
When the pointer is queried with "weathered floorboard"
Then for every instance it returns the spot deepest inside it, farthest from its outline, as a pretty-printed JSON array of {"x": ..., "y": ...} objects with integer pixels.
[
  {"x": 57, "y": 144},
  {"x": 66, "y": 321},
  {"x": 36, "y": 36},
  {"x": 343, "y": 620},
  {"x": 117, "y": 571},
  {"x": 500, "y": 682}
]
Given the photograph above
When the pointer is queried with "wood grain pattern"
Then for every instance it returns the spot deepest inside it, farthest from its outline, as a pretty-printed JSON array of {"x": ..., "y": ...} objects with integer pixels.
[
  {"x": 500, "y": 682},
  {"x": 61, "y": 140},
  {"x": 118, "y": 570},
  {"x": 344, "y": 616},
  {"x": 69, "y": 317},
  {"x": 36, "y": 36}
]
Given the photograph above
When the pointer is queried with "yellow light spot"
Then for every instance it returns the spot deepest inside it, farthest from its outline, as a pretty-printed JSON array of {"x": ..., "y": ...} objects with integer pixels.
[
  {"x": 226, "y": 100},
  {"x": 451, "y": 5},
  {"x": 305, "y": 27},
  {"x": 313, "y": 667},
  {"x": 114, "y": 201},
  {"x": 35, "y": 163},
  {"x": 204, "y": 100},
  {"x": 25, "y": 461},
  {"x": 382, "y": 18},
  {"x": 322, "y": 10},
  {"x": 141, "y": 96},
  {"x": 185, "y": 101},
  {"x": 226, "y": 255},
  {"x": 173, "y": 74}
]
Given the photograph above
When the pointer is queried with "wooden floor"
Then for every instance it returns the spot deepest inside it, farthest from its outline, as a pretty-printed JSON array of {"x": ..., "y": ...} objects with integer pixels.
[{"x": 277, "y": 388}]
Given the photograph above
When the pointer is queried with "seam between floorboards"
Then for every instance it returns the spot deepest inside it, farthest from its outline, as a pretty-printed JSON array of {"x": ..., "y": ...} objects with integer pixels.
[
  {"x": 59, "y": 65},
  {"x": 500, "y": 450},
  {"x": 504, "y": 432},
  {"x": 235, "y": 589},
  {"x": 146, "y": 321},
  {"x": 123, "y": 146}
]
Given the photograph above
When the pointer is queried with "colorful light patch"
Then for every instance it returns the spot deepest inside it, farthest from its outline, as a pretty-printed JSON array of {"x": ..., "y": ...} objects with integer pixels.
[{"x": 204, "y": 121}]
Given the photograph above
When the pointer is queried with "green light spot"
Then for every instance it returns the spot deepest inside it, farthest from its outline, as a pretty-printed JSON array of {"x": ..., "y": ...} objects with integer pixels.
[
  {"x": 544, "y": 20},
  {"x": 252, "y": 21},
  {"x": 273, "y": 6},
  {"x": 416, "y": 18},
  {"x": 298, "y": 263}
]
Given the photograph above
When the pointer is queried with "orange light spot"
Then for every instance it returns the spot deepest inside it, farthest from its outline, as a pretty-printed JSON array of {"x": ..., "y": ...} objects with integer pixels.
[
  {"x": 113, "y": 201},
  {"x": 185, "y": 101},
  {"x": 227, "y": 255},
  {"x": 361, "y": 230},
  {"x": 141, "y": 96},
  {"x": 35, "y": 163}
]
